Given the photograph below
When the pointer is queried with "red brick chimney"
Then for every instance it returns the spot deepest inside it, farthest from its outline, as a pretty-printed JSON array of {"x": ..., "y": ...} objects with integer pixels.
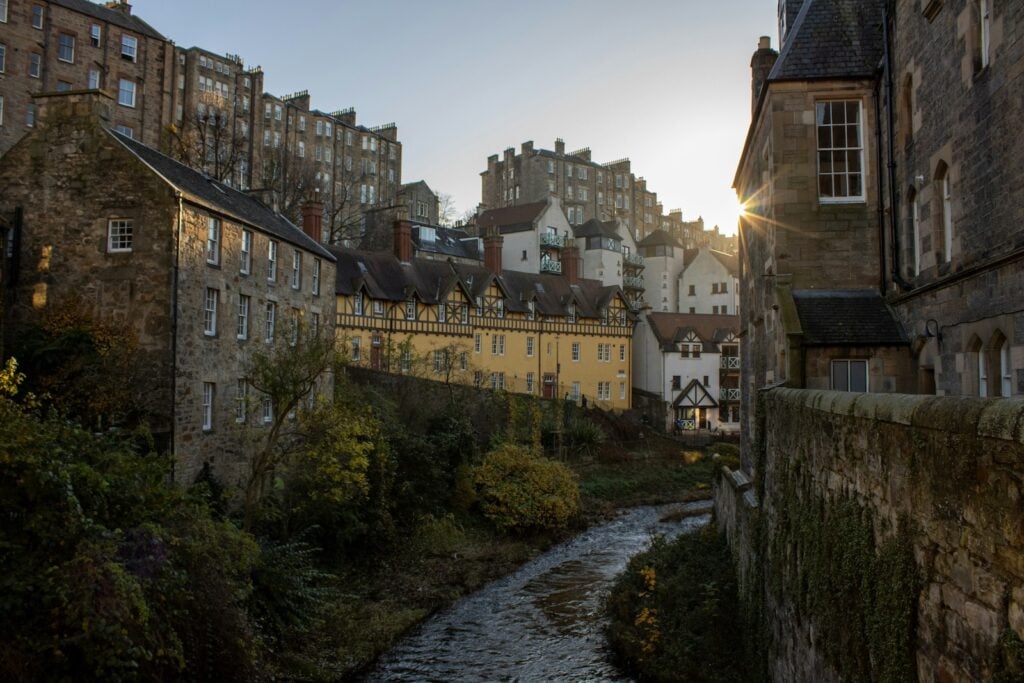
[
  {"x": 312, "y": 220},
  {"x": 571, "y": 264},
  {"x": 493, "y": 242},
  {"x": 403, "y": 241}
]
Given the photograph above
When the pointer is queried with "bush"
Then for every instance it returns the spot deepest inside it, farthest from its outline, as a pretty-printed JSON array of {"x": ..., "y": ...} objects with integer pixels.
[
  {"x": 674, "y": 615},
  {"x": 521, "y": 492}
]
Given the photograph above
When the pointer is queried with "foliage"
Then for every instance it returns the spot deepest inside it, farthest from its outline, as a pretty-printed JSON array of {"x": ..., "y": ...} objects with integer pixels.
[
  {"x": 582, "y": 437},
  {"x": 522, "y": 492},
  {"x": 674, "y": 614},
  {"x": 1009, "y": 664},
  {"x": 108, "y": 572}
]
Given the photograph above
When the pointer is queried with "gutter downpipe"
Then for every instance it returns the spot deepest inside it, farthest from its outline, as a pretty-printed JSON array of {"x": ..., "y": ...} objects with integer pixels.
[
  {"x": 174, "y": 325},
  {"x": 897, "y": 276}
]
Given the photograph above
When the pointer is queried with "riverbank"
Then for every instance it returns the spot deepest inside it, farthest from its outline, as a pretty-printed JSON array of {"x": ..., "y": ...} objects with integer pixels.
[{"x": 450, "y": 557}]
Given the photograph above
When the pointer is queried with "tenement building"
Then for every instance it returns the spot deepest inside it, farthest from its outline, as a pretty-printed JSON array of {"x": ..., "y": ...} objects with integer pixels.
[
  {"x": 60, "y": 45},
  {"x": 197, "y": 273},
  {"x": 550, "y": 336}
]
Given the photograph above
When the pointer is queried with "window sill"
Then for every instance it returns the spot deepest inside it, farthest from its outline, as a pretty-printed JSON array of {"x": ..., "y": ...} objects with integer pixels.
[{"x": 841, "y": 200}]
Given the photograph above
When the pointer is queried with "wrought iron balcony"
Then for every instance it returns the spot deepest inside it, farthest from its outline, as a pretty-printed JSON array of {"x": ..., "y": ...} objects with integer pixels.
[
  {"x": 634, "y": 260},
  {"x": 729, "y": 394},
  {"x": 550, "y": 266},
  {"x": 549, "y": 241},
  {"x": 730, "y": 362},
  {"x": 632, "y": 282}
]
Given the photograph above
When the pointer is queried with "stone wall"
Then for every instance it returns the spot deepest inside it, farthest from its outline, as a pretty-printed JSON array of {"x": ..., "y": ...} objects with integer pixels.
[{"x": 916, "y": 501}]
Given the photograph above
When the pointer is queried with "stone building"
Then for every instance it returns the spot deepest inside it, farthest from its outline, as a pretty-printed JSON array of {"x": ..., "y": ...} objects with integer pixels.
[
  {"x": 59, "y": 45},
  {"x": 419, "y": 202},
  {"x": 199, "y": 273},
  {"x": 537, "y": 237},
  {"x": 453, "y": 321}
]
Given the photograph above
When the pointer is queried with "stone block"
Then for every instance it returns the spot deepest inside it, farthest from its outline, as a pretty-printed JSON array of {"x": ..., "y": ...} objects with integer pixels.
[{"x": 1001, "y": 420}]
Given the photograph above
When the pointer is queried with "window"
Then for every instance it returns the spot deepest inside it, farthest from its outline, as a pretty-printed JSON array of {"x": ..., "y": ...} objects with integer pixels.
[
  {"x": 293, "y": 326},
  {"x": 356, "y": 351},
  {"x": 302, "y": 150},
  {"x": 296, "y": 269},
  {"x": 267, "y": 410},
  {"x": 314, "y": 324},
  {"x": 94, "y": 79},
  {"x": 985, "y": 31},
  {"x": 406, "y": 360},
  {"x": 498, "y": 381},
  {"x": 476, "y": 344},
  {"x": 529, "y": 382},
  {"x": 439, "y": 362},
  {"x": 119, "y": 235},
  {"x": 210, "y": 312},
  {"x": 575, "y": 394},
  {"x": 357, "y": 303},
  {"x": 442, "y": 313},
  {"x": 1, "y": 110},
  {"x": 529, "y": 347},
  {"x": 622, "y": 391},
  {"x": 268, "y": 333},
  {"x": 576, "y": 352},
  {"x": 94, "y": 35},
  {"x": 378, "y": 308},
  {"x": 30, "y": 116},
  {"x": 551, "y": 166},
  {"x": 3, "y": 11},
  {"x": 242, "y": 328},
  {"x": 498, "y": 345},
  {"x": 850, "y": 375},
  {"x": 3, "y": 57},
  {"x": 245, "y": 261},
  {"x": 1005, "y": 371},
  {"x": 277, "y": 112},
  {"x": 37, "y": 16},
  {"x": 915, "y": 231},
  {"x": 126, "y": 93},
  {"x": 35, "y": 65},
  {"x": 410, "y": 309},
  {"x": 208, "y": 391},
  {"x": 66, "y": 48},
  {"x": 840, "y": 151},
  {"x": 213, "y": 241},
  {"x": 982, "y": 374},
  {"x": 946, "y": 211},
  {"x": 272, "y": 262},
  {"x": 241, "y": 389}
]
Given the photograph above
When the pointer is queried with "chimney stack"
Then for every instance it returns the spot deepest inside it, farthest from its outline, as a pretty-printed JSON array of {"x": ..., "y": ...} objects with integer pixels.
[
  {"x": 493, "y": 243},
  {"x": 120, "y": 6},
  {"x": 403, "y": 241},
  {"x": 559, "y": 146},
  {"x": 760, "y": 67},
  {"x": 312, "y": 220},
  {"x": 571, "y": 264}
]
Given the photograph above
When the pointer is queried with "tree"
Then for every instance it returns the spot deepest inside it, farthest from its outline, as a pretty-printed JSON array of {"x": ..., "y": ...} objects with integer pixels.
[
  {"x": 208, "y": 138},
  {"x": 446, "y": 210}
]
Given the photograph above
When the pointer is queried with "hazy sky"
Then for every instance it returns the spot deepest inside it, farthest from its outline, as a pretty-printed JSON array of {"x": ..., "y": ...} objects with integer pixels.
[{"x": 664, "y": 82}]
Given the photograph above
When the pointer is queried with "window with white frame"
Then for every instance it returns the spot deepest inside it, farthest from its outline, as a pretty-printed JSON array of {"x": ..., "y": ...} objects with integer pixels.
[
  {"x": 242, "y": 328},
  {"x": 66, "y": 48},
  {"x": 213, "y": 240},
  {"x": 840, "y": 151},
  {"x": 439, "y": 361},
  {"x": 405, "y": 360},
  {"x": 476, "y": 343},
  {"x": 210, "y": 312},
  {"x": 356, "y": 350},
  {"x": 1005, "y": 370},
  {"x": 3, "y": 11},
  {"x": 267, "y": 410},
  {"x": 622, "y": 352},
  {"x": 572, "y": 313},
  {"x": 982, "y": 374},
  {"x": 316, "y": 277},
  {"x": 442, "y": 313},
  {"x": 3, "y": 58},
  {"x": 95, "y": 79},
  {"x": 296, "y": 269},
  {"x": 529, "y": 347},
  {"x": 37, "y": 17},
  {"x": 850, "y": 375},
  {"x": 245, "y": 262},
  {"x": 129, "y": 48},
  {"x": 35, "y": 65},
  {"x": 119, "y": 235},
  {"x": 498, "y": 381},
  {"x": 270, "y": 322},
  {"x": 357, "y": 303},
  {"x": 576, "y": 351},
  {"x": 622, "y": 391},
  {"x": 241, "y": 392},
  {"x": 30, "y": 116},
  {"x": 302, "y": 150},
  {"x": 410, "y": 309},
  {"x": 378, "y": 308},
  {"x": 272, "y": 261},
  {"x": 575, "y": 393},
  {"x": 208, "y": 391},
  {"x": 94, "y": 35},
  {"x": 985, "y": 32},
  {"x": 126, "y": 93},
  {"x": 529, "y": 382},
  {"x": 498, "y": 345}
]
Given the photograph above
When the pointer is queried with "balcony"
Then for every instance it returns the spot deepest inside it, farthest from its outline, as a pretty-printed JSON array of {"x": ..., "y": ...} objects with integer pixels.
[
  {"x": 550, "y": 265},
  {"x": 729, "y": 394},
  {"x": 633, "y": 260},
  {"x": 730, "y": 362},
  {"x": 551, "y": 241},
  {"x": 632, "y": 282}
]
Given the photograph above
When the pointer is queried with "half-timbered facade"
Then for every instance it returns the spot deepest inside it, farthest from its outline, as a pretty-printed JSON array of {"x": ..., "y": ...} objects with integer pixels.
[{"x": 519, "y": 332}]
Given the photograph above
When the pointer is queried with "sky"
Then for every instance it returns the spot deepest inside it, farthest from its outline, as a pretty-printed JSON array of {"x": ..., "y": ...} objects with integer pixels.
[{"x": 663, "y": 82}]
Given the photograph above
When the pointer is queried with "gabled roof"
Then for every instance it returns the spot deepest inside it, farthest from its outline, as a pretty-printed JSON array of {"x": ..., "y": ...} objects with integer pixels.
[
  {"x": 832, "y": 39},
  {"x": 111, "y": 16},
  {"x": 204, "y": 190},
  {"x": 660, "y": 238},
  {"x": 671, "y": 328},
  {"x": 730, "y": 261},
  {"x": 847, "y": 318},
  {"x": 695, "y": 395},
  {"x": 511, "y": 218},
  {"x": 596, "y": 228},
  {"x": 408, "y": 186}
]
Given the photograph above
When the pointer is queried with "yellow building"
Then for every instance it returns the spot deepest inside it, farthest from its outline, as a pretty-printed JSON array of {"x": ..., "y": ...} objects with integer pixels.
[{"x": 544, "y": 335}]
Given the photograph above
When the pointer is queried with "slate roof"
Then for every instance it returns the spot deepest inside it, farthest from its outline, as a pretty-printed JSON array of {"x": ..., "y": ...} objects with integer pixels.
[
  {"x": 511, "y": 218},
  {"x": 111, "y": 16},
  {"x": 596, "y": 228},
  {"x": 832, "y": 39},
  {"x": 730, "y": 261},
  {"x": 847, "y": 318},
  {"x": 447, "y": 242},
  {"x": 382, "y": 276},
  {"x": 671, "y": 328},
  {"x": 659, "y": 238},
  {"x": 204, "y": 190}
]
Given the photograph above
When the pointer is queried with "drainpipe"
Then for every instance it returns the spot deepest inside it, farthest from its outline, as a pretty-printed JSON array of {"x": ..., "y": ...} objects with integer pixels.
[
  {"x": 897, "y": 275},
  {"x": 174, "y": 325}
]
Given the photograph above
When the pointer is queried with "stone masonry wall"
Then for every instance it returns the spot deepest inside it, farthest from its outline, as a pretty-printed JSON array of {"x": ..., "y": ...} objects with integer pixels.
[{"x": 940, "y": 477}]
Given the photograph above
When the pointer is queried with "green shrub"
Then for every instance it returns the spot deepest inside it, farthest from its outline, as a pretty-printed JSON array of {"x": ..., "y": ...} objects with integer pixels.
[
  {"x": 522, "y": 492},
  {"x": 583, "y": 437},
  {"x": 725, "y": 450},
  {"x": 674, "y": 614}
]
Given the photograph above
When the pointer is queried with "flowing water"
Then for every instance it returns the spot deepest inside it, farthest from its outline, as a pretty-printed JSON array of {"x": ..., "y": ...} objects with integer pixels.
[{"x": 542, "y": 623}]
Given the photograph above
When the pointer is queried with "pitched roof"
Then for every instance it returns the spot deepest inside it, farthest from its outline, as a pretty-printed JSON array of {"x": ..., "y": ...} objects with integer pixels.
[
  {"x": 832, "y": 39},
  {"x": 221, "y": 198},
  {"x": 111, "y": 16},
  {"x": 671, "y": 328},
  {"x": 447, "y": 241},
  {"x": 847, "y": 318},
  {"x": 730, "y": 261},
  {"x": 511, "y": 218},
  {"x": 382, "y": 276},
  {"x": 659, "y": 238},
  {"x": 596, "y": 228}
]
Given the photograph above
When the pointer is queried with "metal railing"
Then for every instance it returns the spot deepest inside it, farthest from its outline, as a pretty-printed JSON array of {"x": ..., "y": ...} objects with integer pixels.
[
  {"x": 549, "y": 240},
  {"x": 633, "y": 282},
  {"x": 635, "y": 260},
  {"x": 550, "y": 266},
  {"x": 729, "y": 394},
  {"x": 730, "y": 362}
]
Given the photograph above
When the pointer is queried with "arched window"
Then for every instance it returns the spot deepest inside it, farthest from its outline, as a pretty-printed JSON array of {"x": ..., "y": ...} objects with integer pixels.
[
  {"x": 945, "y": 200},
  {"x": 914, "y": 232},
  {"x": 982, "y": 375},
  {"x": 906, "y": 111},
  {"x": 975, "y": 369},
  {"x": 1005, "y": 371}
]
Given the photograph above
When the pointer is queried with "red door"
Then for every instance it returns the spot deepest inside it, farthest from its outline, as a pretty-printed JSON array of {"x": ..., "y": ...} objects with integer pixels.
[
  {"x": 549, "y": 385},
  {"x": 375, "y": 352}
]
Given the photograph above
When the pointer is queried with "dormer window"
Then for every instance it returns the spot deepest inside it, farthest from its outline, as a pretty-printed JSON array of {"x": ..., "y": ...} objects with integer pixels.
[
  {"x": 531, "y": 310},
  {"x": 500, "y": 308},
  {"x": 572, "y": 313},
  {"x": 357, "y": 305},
  {"x": 410, "y": 309}
]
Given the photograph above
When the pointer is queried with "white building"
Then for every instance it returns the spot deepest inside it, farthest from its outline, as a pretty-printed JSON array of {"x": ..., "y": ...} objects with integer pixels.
[
  {"x": 688, "y": 367},
  {"x": 709, "y": 283},
  {"x": 663, "y": 262},
  {"x": 609, "y": 254},
  {"x": 534, "y": 235}
]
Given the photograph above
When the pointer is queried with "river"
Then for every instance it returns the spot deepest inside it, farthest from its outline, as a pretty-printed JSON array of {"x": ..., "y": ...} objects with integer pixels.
[{"x": 542, "y": 623}]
